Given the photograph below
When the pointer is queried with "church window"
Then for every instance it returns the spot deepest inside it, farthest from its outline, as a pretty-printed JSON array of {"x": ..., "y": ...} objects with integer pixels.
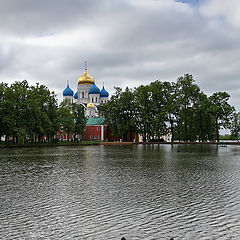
[
  {"x": 82, "y": 94},
  {"x": 96, "y": 99},
  {"x": 92, "y": 99}
]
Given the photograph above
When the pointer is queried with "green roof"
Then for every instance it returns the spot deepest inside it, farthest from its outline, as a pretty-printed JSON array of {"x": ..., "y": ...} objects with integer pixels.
[{"x": 95, "y": 121}]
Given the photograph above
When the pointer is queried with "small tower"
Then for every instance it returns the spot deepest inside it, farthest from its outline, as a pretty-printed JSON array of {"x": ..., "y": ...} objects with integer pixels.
[
  {"x": 75, "y": 97},
  {"x": 91, "y": 111},
  {"x": 68, "y": 93},
  {"x": 103, "y": 95},
  {"x": 85, "y": 82},
  {"x": 94, "y": 94}
]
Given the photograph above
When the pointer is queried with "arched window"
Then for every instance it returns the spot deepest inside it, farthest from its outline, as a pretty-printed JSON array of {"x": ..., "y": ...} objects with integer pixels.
[
  {"x": 82, "y": 94},
  {"x": 96, "y": 99},
  {"x": 92, "y": 99}
]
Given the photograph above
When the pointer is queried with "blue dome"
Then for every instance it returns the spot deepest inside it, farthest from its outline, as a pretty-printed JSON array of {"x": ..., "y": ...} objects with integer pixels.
[
  {"x": 94, "y": 89},
  {"x": 68, "y": 91},
  {"x": 76, "y": 95},
  {"x": 104, "y": 93}
]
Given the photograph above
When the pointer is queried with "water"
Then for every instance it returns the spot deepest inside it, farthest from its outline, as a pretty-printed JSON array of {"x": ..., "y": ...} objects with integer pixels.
[{"x": 107, "y": 192}]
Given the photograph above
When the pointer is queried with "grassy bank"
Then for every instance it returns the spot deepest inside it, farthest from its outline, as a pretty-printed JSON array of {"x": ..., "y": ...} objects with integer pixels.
[{"x": 18, "y": 145}]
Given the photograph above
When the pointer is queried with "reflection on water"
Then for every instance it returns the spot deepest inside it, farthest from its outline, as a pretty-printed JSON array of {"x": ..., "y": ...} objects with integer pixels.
[{"x": 106, "y": 192}]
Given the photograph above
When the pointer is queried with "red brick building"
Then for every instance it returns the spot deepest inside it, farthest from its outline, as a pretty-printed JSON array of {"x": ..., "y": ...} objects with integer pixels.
[{"x": 96, "y": 130}]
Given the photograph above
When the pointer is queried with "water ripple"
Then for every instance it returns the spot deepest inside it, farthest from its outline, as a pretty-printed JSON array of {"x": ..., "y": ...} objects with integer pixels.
[{"x": 140, "y": 192}]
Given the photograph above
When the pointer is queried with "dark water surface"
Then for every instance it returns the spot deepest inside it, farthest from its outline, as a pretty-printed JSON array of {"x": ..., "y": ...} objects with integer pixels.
[{"x": 107, "y": 192}]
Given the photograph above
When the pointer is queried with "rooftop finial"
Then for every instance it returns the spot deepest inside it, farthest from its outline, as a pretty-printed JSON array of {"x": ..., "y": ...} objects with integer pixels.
[
  {"x": 85, "y": 65},
  {"x": 103, "y": 84},
  {"x": 68, "y": 82}
]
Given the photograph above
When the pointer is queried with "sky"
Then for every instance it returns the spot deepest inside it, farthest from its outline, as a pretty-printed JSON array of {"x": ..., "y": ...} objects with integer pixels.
[{"x": 125, "y": 42}]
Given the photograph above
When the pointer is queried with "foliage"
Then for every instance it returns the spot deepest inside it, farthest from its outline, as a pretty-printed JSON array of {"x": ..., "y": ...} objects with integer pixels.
[
  {"x": 235, "y": 125},
  {"x": 27, "y": 112},
  {"x": 120, "y": 113},
  {"x": 221, "y": 111},
  {"x": 180, "y": 109},
  {"x": 66, "y": 117},
  {"x": 30, "y": 113},
  {"x": 79, "y": 119}
]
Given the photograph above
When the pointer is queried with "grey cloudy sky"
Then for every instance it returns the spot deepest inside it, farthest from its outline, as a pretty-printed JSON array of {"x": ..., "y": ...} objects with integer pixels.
[{"x": 125, "y": 42}]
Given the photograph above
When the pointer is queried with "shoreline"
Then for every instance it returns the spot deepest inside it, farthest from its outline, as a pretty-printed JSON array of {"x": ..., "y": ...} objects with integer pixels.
[
  {"x": 60, "y": 144},
  {"x": 192, "y": 143},
  {"x": 89, "y": 143}
]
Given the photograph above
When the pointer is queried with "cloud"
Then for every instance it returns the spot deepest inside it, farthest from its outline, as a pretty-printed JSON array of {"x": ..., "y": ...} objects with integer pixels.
[
  {"x": 227, "y": 10},
  {"x": 126, "y": 43}
]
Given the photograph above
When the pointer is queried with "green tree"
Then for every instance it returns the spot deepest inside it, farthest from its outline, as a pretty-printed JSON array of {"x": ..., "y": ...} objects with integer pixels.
[
  {"x": 187, "y": 95},
  {"x": 3, "y": 87},
  {"x": 119, "y": 112},
  {"x": 43, "y": 113},
  {"x": 159, "y": 114},
  {"x": 16, "y": 101},
  {"x": 79, "y": 119},
  {"x": 235, "y": 125},
  {"x": 221, "y": 111},
  {"x": 144, "y": 111},
  {"x": 66, "y": 117}
]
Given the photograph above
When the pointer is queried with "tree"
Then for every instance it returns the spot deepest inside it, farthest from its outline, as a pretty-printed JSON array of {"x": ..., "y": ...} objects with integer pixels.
[
  {"x": 221, "y": 111},
  {"x": 159, "y": 114},
  {"x": 79, "y": 119},
  {"x": 17, "y": 103},
  {"x": 66, "y": 118},
  {"x": 203, "y": 119},
  {"x": 144, "y": 111},
  {"x": 119, "y": 112},
  {"x": 3, "y": 87},
  {"x": 186, "y": 96},
  {"x": 169, "y": 96},
  {"x": 235, "y": 125},
  {"x": 43, "y": 117}
]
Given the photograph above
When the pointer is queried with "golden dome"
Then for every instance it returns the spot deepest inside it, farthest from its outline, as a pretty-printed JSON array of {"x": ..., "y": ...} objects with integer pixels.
[
  {"x": 86, "y": 78},
  {"x": 90, "y": 105}
]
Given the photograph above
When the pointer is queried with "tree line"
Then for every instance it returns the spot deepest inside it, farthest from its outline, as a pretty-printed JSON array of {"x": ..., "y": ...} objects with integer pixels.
[
  {"x": 31, "y": 114},
  {"x": 179, "y": 108}
]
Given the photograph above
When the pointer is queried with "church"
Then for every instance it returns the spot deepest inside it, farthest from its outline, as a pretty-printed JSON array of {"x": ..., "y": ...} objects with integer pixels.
[
  {"x": 87, "y": 94},
  {"x": 90, "y": 96}
]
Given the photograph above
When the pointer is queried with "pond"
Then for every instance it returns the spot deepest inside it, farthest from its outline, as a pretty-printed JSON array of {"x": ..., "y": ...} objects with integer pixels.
[{"x": 107, "y": 192}]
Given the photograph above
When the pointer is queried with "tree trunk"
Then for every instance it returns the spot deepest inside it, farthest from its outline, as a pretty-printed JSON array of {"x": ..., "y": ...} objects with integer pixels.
[
  {"x": 144, "y": 134},
  {"x": 6, "y": 139},
  {"x": 172, "y": 130},
  {"x": 201, "y": 129},
  {"x": 131, "y": 135},
  {"x": 68, "y": 136},
  {"x": 217, "y": 133}
]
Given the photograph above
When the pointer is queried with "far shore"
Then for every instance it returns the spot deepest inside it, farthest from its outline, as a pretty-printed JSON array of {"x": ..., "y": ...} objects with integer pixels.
[{"x": 91, "y": 143}]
